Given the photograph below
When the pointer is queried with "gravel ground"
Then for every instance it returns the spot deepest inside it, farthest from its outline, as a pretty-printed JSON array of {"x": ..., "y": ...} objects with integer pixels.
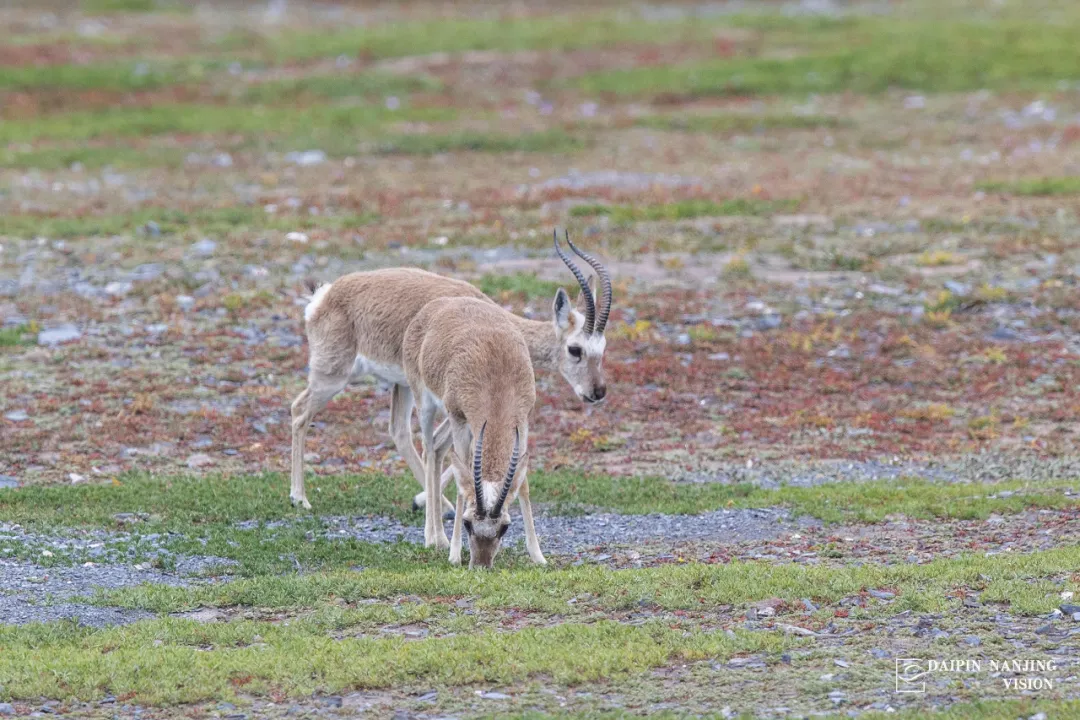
[
  {"x": 976, "y": 467},
  {"x": 562, "y": 535},
  {"x": 32, "y": 592},
  {"x": 41, "y": 591}
]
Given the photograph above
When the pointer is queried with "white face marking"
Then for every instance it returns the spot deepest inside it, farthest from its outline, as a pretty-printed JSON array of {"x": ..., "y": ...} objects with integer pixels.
[
  {"x": 595, "y": 345},
  {"x": 316, "y": 300}
]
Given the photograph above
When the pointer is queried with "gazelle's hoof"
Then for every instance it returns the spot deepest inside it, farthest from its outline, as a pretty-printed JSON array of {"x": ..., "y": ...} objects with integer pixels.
[
  {"x": 300, "y": 502},
  {"x": 415, "y": 506}
]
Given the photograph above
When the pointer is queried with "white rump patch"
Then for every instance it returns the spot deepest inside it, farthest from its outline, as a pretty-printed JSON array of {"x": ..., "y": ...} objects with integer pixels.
[{"x": 316, "y": 300}]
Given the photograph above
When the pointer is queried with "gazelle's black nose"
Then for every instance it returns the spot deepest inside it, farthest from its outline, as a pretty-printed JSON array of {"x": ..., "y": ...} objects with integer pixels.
[{"x": 599, "y": 392}]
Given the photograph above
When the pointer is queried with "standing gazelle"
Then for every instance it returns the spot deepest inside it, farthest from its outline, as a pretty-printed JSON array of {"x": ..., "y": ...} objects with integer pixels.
[
  {"x": 467, "y": 358},
  {"x": 355, "y": 326}
]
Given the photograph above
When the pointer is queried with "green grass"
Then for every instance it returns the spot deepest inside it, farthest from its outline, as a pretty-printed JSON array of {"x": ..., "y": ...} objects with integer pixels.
[
  {"x": 871, "y": 55},
  {"x": 187, "y": 502},
  {"x": 318, "y": 122},
  {"x": 553, "y": 33},
  {"x": 215, "y": 221},
  {"x": 205, "y": 511},
  {"x": 547, "y": 141},
  {"x": 337, "y": 87},
  {"x": 93, "y": 158},
  {"x": 127, "y": 76},
  {"x": 176, "y": 661},
  {"x": 132, "y": 6},
  {"x": 685, "y": 210},
  {"x": 14, "y": 336},
  {"x": 1046, "y": 186},
  {"x": 1021, "y": 581},
  {"x": 737, "y": 122},
  {"x": 523, "y": 285}
]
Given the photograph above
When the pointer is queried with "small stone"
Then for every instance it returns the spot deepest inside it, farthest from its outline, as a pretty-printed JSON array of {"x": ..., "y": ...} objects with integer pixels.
[
  {"x": 879, "y": 653},
  {"x": 297, "y": 237},
  {"x": 1045, "y": 630},
  {"x": 58, "y": 335},
  {"x": 1070, "y": 608},
  {"x": 7, "y": 481},
  {"x": 957, "y": 288},
  {"x": 769, "y": 322},
  {"x": 428, "y": 697},
  {"x": 199, "y": 460},
  {"x": 973, "y": 640},
  {"x": 7, "y": 709},
  {"x": 1076, "y": 617},
  {"x": 842, "y": 663},
  {"x": 307, "y": 157},
  {"x": 1038, "y": 716},
  {"x": 334, "y": 701},
  {"x": 204, "y": 248},
  {"x": 494, "y": 696},
  {"x": 75, "y": 478},
  {"x": 118, "y": 289},
  {"x": 185, "y": 302},
  {"x": 16, "y": 416},
  {"x": 882, "y": 594},
  {"x": 1004, "y": 334}
]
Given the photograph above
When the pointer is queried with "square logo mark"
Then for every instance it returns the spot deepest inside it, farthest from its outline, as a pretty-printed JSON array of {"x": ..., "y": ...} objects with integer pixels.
[{"x": 909, "y": 675}]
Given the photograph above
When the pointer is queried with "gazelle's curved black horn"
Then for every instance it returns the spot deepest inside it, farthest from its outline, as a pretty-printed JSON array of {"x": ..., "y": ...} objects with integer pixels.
[
  {"x": 590, "y": 304},
  {"x": 497, "y": 510},
  {"x": 477, "y": 456},
  {"x": 605, "y": 279}
]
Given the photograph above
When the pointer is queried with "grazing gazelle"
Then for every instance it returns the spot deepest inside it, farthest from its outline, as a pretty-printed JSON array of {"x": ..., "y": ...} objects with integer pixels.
[
  {"x": 356, "y": 324},
  {"x": 467, "y": 358}
]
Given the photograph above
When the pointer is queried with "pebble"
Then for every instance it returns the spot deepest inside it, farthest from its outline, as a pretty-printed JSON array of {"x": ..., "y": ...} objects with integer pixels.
[
  {"x": 306, "y": 157},
  {"x": 8, "y": 481},
  {"x": 58, "y": 335},
  {"x": 199, "y": 460},
  {"x": 118, "y": 289},
  {"x": 204, "y": 248},
  {"x": 16, "y": 416},
  {"x": 7, "y": 709},
  {"x": 494, "y": 696},
  {"x": 185, "y": 302}
]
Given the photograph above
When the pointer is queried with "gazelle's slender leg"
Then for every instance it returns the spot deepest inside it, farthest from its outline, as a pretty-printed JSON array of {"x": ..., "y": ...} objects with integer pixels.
[
  {"x": 320, "y": 390},
  {"x": 532, "y": 544},
  {"x": 434, "y": 533},
  {"x": 455, "y": 537},
  {"x": 401, "y": 407}
]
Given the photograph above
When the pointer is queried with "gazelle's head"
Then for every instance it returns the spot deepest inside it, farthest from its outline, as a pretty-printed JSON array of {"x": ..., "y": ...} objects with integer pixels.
[
  {"x": 580, "y": 332},
  {"x": 486, "y": 516}
]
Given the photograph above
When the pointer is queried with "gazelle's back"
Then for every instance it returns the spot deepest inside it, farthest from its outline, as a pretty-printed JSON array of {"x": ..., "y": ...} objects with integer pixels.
[
  {"x": 465, "y": 350},
  {"x": 365, "y": 314}
]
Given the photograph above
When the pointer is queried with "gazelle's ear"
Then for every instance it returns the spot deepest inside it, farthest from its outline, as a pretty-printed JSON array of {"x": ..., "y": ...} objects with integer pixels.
[
  {"x": 561, "y": 311},
  {"x": 581, "y": 295}
]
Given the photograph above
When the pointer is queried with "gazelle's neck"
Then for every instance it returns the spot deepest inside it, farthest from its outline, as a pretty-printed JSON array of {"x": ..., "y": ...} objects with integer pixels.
[{"x": 540, "y": 337}]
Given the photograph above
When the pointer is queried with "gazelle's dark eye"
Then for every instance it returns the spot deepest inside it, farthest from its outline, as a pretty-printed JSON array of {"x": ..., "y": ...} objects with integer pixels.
[
  {"x": 468, "y": 526},
  {"x": 503, "y": 529},
  {"x": 575, "y": 351}
]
